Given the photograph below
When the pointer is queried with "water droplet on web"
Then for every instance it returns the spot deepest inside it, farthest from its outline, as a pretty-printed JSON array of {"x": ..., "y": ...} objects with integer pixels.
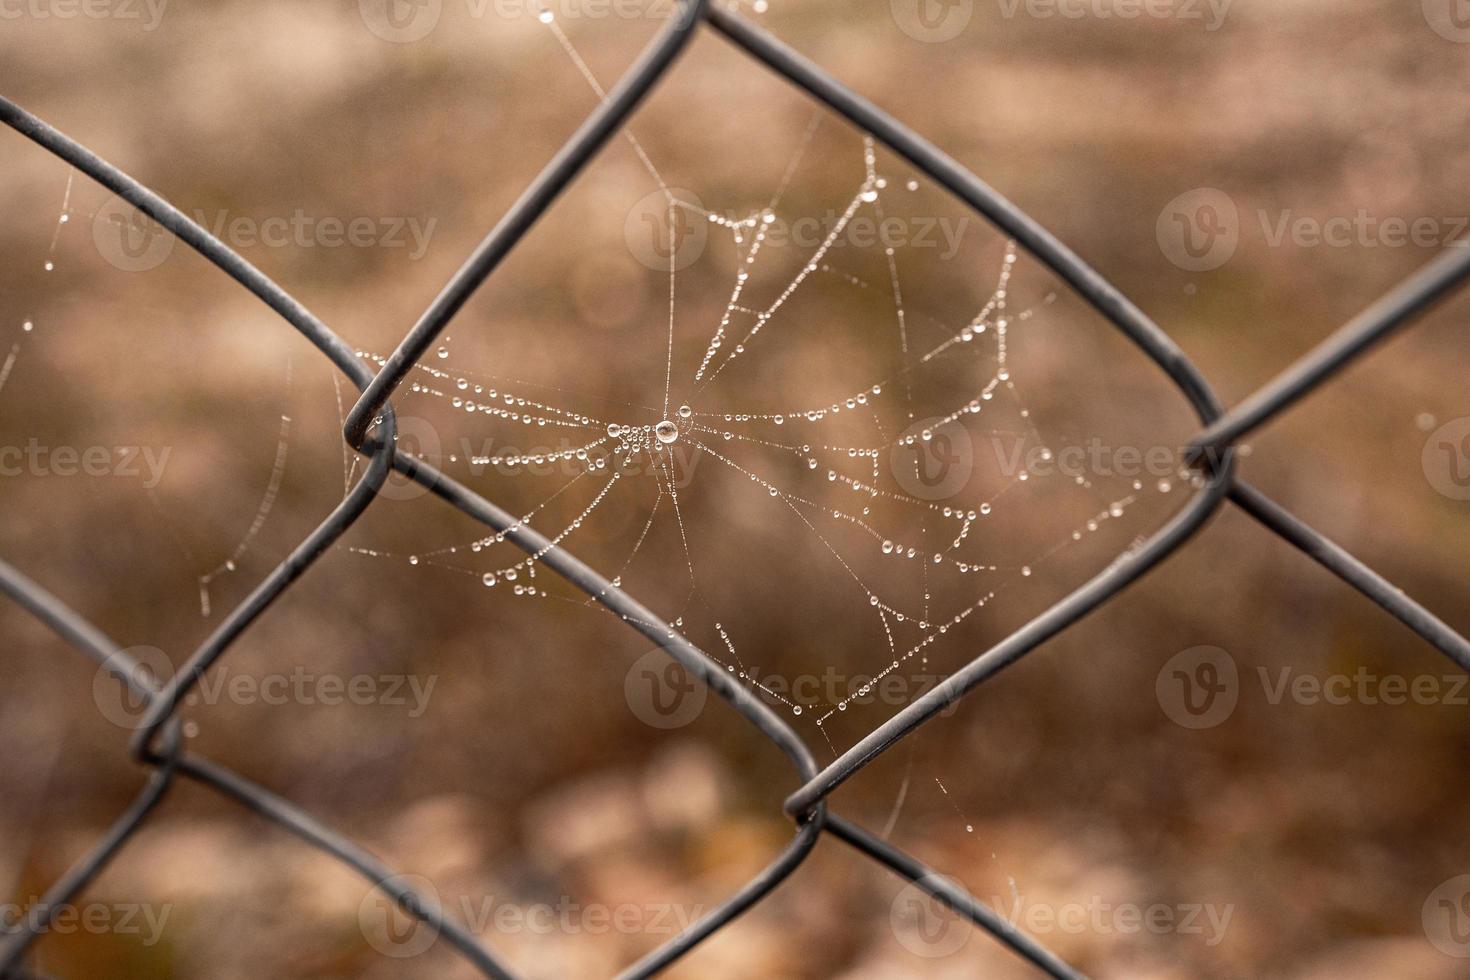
[
  {"x": 685, "y": 412},
  {"x": 546, "y": 17},
  {"x": 443, "y": 352},
  {"x": 488, "y": 578},
  {"x": 28, "y": 326},
  {"x": 614, "y": 430},
  {"x": 666, "y": 432},
  {"x": 888, "y": 547}
]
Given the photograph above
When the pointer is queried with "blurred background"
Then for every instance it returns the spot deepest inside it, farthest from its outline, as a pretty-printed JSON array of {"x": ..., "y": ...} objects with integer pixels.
[{"x": 1245, "y": 172}]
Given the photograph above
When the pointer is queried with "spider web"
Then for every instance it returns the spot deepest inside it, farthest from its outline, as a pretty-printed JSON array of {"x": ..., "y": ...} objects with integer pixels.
[{"x": 845, "y": 470}]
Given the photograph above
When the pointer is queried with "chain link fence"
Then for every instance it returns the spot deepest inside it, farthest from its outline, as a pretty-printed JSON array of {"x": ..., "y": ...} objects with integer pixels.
[{"x": 371, "y": 430}]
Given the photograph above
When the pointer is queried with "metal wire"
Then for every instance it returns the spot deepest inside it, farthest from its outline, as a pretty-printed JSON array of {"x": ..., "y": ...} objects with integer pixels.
[{"x": 370, "y": 429}]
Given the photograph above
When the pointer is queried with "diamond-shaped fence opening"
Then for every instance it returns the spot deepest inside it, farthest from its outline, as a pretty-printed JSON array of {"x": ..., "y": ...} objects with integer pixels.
[{"x": 370, "y": 430}]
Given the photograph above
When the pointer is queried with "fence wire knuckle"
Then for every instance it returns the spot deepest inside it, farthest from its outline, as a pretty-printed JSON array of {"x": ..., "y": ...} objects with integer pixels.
[{"x": 369, "y": 429}]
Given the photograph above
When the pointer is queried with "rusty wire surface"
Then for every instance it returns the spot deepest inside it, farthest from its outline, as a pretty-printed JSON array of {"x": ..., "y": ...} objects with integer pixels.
[{"x": 370, "y": 430}]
